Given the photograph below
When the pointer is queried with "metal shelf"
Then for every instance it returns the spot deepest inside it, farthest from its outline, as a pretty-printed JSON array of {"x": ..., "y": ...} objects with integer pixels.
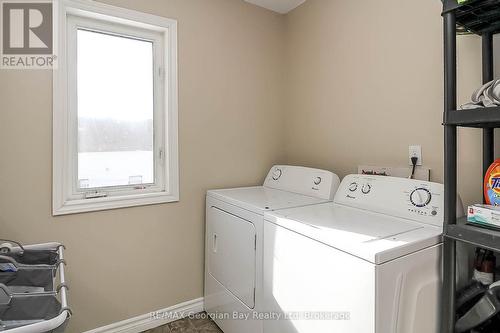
[
  {"x": 482, "y": 237},
  {"x": 478, "y": 118},
  {"x": 483, "y": 18},
  {"x": 476, "y": 16}
]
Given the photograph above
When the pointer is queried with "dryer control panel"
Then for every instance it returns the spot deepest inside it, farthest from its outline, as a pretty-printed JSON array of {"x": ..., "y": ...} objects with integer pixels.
[
  {"x": 400, "y": 197},
  {"x": 307, "y": 181}
]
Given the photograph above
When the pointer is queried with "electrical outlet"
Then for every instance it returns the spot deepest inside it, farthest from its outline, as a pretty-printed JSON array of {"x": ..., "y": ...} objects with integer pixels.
[{"x": 415, "y": 151}]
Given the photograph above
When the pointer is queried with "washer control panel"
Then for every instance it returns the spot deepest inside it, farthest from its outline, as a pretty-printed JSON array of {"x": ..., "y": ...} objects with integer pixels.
[
  {"x": 308, "y": 181},
  {"x": 401, "y": 197}
]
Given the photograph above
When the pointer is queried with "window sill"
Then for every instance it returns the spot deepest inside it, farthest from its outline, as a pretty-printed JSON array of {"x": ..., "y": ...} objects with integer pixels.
[{"x": 124, "y": 201}]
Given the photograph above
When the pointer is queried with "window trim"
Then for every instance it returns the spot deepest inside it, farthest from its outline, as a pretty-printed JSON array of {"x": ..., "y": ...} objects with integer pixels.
[{"x": 65, "y": 201}]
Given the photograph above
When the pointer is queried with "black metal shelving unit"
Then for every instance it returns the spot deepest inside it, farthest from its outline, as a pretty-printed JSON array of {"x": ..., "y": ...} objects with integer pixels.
[{"x": 481, "y": 17}]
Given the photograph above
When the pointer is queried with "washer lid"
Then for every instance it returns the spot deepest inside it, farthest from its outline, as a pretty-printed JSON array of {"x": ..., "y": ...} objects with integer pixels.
[
  {"x": 371, "y": 236},
  {"x": 259, "y": 199}
]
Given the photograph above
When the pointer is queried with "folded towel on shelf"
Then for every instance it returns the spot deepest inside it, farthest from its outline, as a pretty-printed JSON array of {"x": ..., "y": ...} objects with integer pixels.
[
  {"x": 494, "y": 92},
  {"x": 479, "y": 93},
  {"x": 488, "y": 95},
  {"x": 471, "y": 105}
]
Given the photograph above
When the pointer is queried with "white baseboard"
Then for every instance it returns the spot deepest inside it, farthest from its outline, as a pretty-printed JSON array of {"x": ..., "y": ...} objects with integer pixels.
[{"x": 149, "y": 321}]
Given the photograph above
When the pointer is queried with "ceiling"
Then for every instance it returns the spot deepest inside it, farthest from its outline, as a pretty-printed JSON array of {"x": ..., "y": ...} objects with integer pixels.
[{"x": 280, "y": 6}]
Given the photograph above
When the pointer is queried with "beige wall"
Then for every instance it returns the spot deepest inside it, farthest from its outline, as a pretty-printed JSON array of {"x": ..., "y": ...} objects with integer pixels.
[
  {"x": 336, "y": 82},
  {"x": 127, "y": 262},
  {"x": 365, "y": 81}
]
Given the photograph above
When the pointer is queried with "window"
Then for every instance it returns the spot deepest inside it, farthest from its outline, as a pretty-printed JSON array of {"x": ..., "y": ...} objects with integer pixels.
[
  {"x": 115, "y": 113},
  {"x": 115, "y": 109}
]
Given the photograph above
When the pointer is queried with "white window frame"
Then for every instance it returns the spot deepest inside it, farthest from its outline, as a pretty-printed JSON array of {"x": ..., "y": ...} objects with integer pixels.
[{"x": 162, "y": 32}]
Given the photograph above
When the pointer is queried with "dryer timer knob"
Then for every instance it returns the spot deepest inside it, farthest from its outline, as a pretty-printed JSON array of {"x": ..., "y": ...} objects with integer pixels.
[
  {"x": 277, "y": 174},
  {"x": 366, "y": 188}
]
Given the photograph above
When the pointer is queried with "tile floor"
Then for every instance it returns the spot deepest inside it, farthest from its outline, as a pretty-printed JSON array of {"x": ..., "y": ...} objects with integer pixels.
[{"x": 197, "y": 324}]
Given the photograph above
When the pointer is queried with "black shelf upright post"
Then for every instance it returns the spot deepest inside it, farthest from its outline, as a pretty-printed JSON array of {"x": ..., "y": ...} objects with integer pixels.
[
  {"x": 450, "y": 171},
  {"x": 488, "y": 73}
]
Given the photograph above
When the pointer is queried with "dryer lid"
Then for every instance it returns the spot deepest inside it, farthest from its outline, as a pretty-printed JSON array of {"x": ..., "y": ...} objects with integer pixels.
[
  {"x": 371, "y": 236},
  {"x": 259, "y": 199}
]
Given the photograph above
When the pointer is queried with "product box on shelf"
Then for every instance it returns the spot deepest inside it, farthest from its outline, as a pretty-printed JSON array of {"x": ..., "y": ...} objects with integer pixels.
[{"x": 484, "y": 215}]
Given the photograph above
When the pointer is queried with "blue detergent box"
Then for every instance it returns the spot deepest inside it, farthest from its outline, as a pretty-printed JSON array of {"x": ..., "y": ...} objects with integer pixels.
[{"x": 484, "y": 215}]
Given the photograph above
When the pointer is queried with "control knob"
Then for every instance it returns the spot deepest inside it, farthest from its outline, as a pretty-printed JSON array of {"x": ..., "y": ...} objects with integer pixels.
[
  {"x": 353, "y": 187},
  {"x": 420, "y": 197},
  {"x": 366, "y": 188},
  {"x": 277, "y": 174},
  {"x": 317, "y": 180}
]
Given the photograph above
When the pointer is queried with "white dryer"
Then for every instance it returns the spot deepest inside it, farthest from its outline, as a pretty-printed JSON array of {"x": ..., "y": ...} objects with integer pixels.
[
  {"x": 368, "y": 262},
  {"x": 234, "y": 240}
]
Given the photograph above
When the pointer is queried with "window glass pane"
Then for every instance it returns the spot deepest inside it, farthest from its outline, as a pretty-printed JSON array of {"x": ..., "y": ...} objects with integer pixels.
[{"x": 115, "y": 110}]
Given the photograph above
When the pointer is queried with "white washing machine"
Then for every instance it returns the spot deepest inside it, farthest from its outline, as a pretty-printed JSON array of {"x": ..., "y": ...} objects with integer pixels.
[
  {"x": 234, "y": 240},
  {"x": 369, "y": 262}
]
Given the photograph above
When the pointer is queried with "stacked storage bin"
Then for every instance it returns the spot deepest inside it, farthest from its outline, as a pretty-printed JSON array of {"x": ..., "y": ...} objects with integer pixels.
[{"x": 32, "y": 288}]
